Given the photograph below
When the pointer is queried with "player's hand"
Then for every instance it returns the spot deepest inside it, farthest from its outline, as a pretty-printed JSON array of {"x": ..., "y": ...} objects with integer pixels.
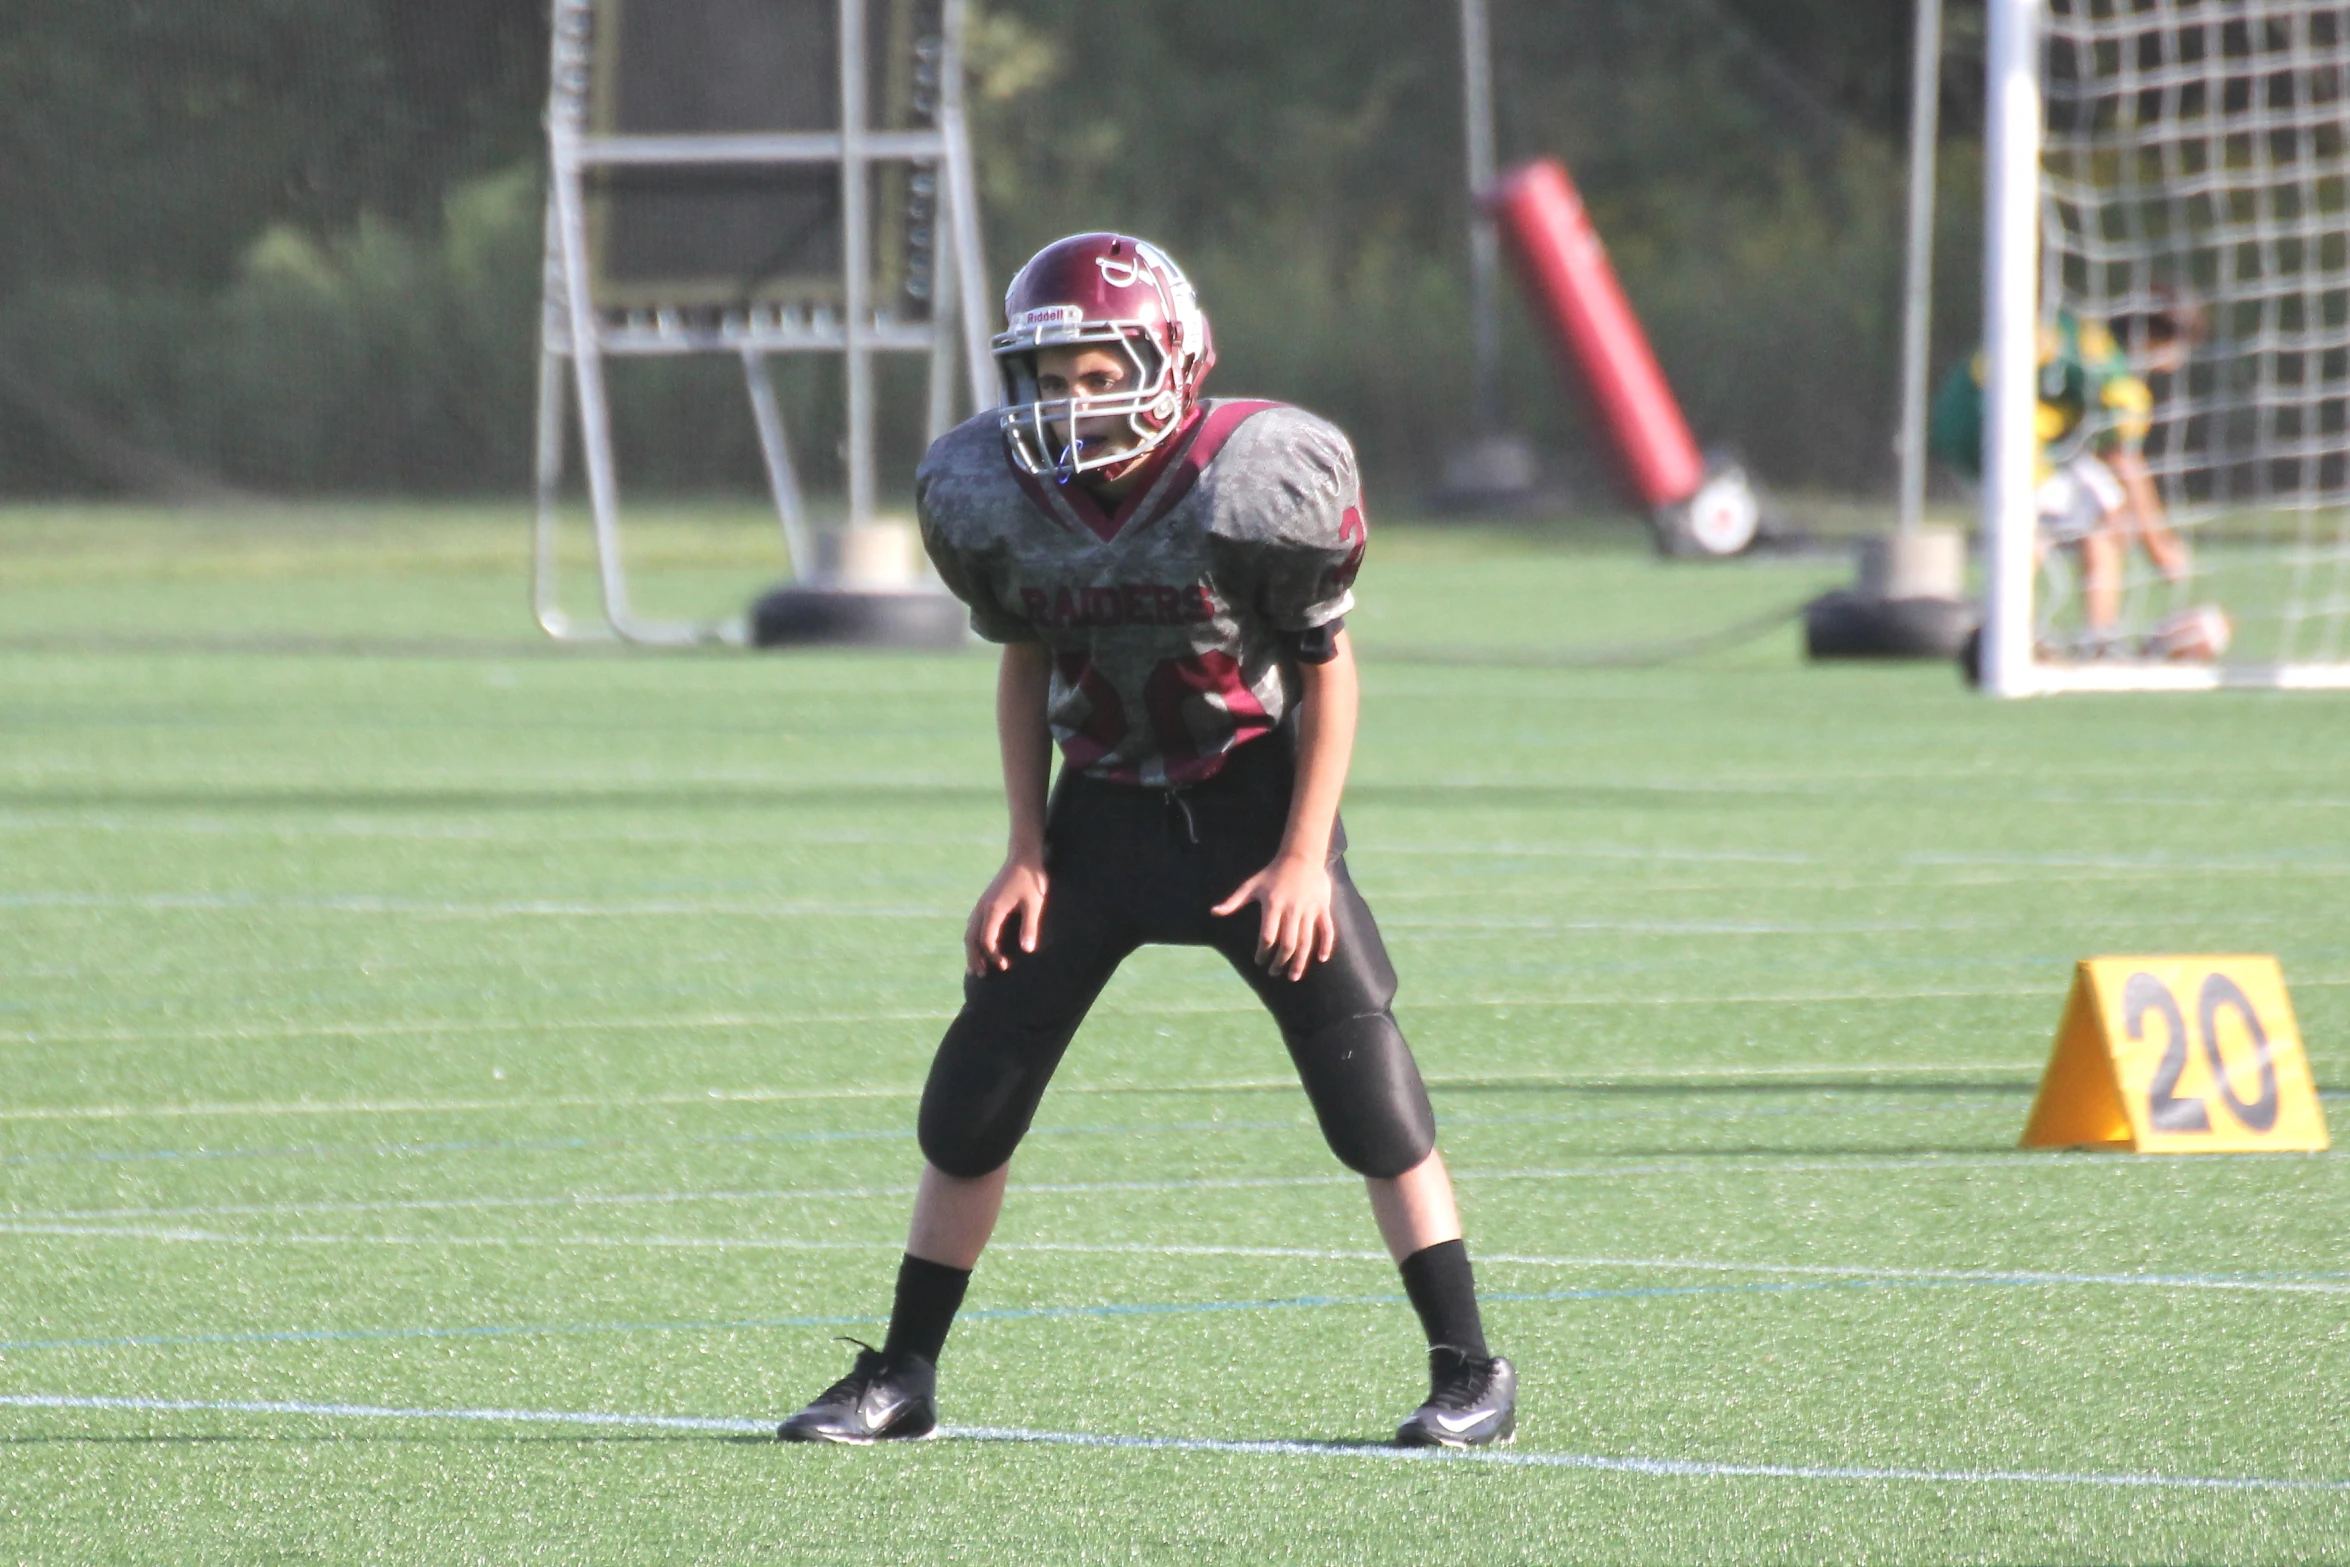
[
  {"x": 1298, "y": 929},
  {"x": 1018, "y": 890}
]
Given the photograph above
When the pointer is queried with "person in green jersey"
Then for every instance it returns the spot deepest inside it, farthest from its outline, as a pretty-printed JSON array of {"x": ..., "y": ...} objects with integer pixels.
[{"x": 2094, "y": 411}]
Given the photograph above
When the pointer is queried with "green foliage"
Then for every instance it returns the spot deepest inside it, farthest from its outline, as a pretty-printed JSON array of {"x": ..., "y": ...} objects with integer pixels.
[
  {"x": 294, "y": 242},
  {"x": 377, "y": 357},
  {"x": 144, "y": 142},
  {"x": 380, "y": 358}
]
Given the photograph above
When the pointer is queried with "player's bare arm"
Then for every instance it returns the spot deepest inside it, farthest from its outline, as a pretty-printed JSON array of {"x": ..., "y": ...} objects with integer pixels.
[
  {"x": 1014, "y": 900},
  {"x": 1294, "y": 892},
  {"x": 2146, "y": 514}
]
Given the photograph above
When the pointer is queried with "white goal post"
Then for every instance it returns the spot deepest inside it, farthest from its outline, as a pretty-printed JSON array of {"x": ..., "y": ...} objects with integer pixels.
[{"x": 2187, "y": 159}]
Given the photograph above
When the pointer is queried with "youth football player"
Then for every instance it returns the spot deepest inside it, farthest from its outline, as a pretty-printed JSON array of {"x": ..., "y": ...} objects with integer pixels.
[{"x": 1169, "y": 578}]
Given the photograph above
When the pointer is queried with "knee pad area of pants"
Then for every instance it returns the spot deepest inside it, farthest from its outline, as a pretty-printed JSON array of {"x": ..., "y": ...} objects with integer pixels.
[
  {"x": 1367, "y": 1094},
  {"x": 968, "y": 1146},
  {"x": 980, "y": 1099}
]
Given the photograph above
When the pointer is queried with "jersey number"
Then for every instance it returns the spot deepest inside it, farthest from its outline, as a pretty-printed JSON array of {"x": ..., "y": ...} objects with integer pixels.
[{"x": 1169, "y": 696}]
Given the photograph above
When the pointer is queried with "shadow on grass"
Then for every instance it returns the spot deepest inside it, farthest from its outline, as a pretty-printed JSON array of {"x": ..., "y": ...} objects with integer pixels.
[
  {"x": 1630, "y": 1086},
  {"x": 687, "y": 791},
  {"x": 953, "y": 1440},
  {"x": 1634, "y": 1087},
  {"x": 298, "y": 1439},
  {"x": 546, "y": 1439},
  {"x": 1637, "y": 1151},
  {"x": 305, "y": 644}
]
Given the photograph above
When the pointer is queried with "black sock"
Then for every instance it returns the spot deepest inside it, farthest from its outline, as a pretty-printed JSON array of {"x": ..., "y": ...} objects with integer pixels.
[
  {"x": 929, "y": 1294},
  {"x": 1444, "y": 1293}
]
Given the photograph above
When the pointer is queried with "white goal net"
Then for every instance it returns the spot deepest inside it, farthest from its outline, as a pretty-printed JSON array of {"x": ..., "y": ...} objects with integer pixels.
[{"x": 2192, "y": 263}]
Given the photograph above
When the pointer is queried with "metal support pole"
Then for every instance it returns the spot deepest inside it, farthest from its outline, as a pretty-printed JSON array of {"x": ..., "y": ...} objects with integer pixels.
[
  {"x": 775, "y": 451},
  {"x": 546, "y": 495},
  {"x": 944, "y": 318},
  {"x": 977, "y": 312},
  {"x": 1917, "y": 301},
  {"x": 2012, "y": 132},
  {"x": 595, "y": 413},
  {"x": 1484, "y": 246},
  {"x": 547, "y": 457},
  {"x": 570, "y": 34},
  {"x": 573, "y": 29},
  {"x": 856, "y": 263}
]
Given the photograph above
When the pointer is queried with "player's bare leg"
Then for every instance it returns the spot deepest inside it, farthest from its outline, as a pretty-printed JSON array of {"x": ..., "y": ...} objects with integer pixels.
[
  {"x": 1415, "y": 1210},
  {"x": 953, "y": 1217}
]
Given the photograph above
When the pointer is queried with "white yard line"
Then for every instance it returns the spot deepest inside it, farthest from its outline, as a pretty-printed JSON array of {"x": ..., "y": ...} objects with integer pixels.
[
  {"x": 1591, "y": 851},
  {"x": 2174, "y": 1281},
  {"x": 308, "y": 1107},
  {"x": 747, "y": 825},
  {"x": 526, "y": 908},
  {"x": 378, "y": 1412},
  {"x": 1471, "y": 925},
  {"x": 1660, "y": 1468},
  {"x": 783, "y": 1020},
  {"x": 372, "y": 904},
  {"x": 2189, "y": 1281},
  {"x": 514, "y": 1026}
]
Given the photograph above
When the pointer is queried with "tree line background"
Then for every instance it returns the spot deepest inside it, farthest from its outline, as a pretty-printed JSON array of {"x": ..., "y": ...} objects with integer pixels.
[{"x": 293, "y": 246}]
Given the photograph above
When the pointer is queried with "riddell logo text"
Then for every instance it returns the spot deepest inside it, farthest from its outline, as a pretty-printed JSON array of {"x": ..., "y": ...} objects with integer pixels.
[{"x": 1127, "y": 604}]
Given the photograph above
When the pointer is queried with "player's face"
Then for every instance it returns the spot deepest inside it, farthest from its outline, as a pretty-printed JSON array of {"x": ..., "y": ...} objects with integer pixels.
[{"x": 1086, "y": 371}]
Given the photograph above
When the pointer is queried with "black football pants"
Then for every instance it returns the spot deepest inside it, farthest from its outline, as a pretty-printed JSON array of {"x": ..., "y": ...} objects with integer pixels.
[{"x": 1126, "y": 866}]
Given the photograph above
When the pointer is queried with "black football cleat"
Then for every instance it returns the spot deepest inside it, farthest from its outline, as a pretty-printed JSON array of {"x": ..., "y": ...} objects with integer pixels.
[
  {"x": 882, "y": 1399},
  {"x": 1471, "y": 1402}
]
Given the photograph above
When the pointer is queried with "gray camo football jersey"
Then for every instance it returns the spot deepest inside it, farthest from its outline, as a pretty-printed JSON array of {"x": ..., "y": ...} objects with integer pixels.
[{"x": 1172, "y": 623}]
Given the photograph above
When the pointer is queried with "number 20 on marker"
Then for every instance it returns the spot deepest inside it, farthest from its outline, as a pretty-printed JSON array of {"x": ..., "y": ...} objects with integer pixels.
[{"x": 2178, "y": 1055}]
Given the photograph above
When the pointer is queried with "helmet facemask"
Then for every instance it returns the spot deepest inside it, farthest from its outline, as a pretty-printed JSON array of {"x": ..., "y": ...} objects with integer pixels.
[
  {"x": 1122, "y": 297},
  {"x": 1077, "y": 433}
]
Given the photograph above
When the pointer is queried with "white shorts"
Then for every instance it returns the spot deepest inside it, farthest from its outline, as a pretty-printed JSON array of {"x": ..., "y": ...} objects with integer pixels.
[{"x": 2075, "y": 500}]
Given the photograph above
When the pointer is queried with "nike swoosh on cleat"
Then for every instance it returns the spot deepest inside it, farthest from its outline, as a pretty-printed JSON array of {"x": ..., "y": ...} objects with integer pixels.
[
  {"x": 882, "y": 1415},
  {"x": 1456, "y": 1427}
]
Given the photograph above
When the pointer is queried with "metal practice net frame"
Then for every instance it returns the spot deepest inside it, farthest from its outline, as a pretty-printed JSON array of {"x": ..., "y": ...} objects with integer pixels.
[
  {"x": 2141, "y": 155},
  {"x": 580, "y": 327}
]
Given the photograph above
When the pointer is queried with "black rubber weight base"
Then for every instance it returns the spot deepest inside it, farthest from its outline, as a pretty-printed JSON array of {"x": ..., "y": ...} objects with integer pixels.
[
  {"x": 800, "y": 617},
  {"x": 1846, "y": 625}
]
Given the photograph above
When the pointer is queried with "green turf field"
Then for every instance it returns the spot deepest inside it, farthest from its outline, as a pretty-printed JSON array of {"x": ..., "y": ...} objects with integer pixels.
[{"x": 425, "y": 1036}]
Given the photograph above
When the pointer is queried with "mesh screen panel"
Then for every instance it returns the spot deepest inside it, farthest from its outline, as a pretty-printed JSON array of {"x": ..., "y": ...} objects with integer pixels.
[{"x": 2199, "y": 150}]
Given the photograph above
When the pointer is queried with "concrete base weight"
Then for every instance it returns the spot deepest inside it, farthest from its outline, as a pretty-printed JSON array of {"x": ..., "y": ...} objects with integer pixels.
[
  {"x": 1855, "y": 625},
  {"x": 845, "y": 617}
]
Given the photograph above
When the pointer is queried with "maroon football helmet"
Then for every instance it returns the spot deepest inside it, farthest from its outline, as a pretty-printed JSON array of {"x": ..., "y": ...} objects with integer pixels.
[{"x": 1124, "y": 294}]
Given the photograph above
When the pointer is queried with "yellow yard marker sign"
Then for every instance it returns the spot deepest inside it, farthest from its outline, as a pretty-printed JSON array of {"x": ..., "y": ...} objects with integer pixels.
[{"x": 2178, "y": 1055}]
